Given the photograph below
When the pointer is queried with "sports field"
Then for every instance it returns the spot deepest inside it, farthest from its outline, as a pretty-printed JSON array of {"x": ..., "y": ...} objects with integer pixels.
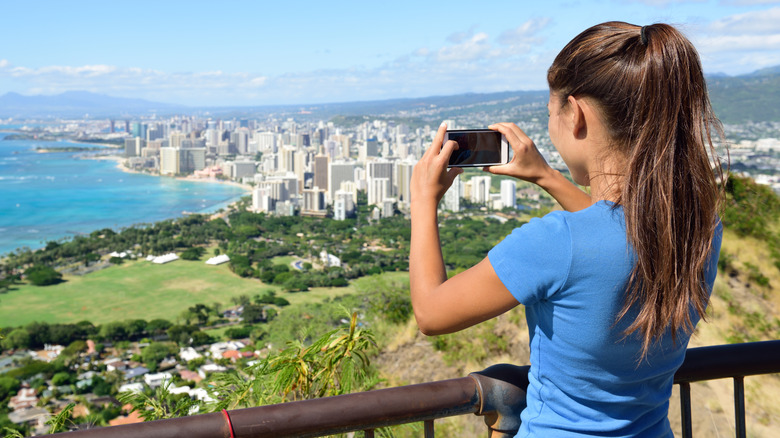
[
  {"x": 132, "y": 290},
  {"x": 137, "y": 290}
]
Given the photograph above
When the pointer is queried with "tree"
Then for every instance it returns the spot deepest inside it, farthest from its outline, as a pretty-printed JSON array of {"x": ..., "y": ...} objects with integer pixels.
[
  {"x": 158, "y": 326},
  {"x": 8, "y": 386},
  {"x": 18, "y": 338},
  {"x": 61, "y": 378},
  {"x": 252, "y": 313},
  {"x": 42, "y": 275},
  {"x": 160, "y": 405},
  {"x": 113, "y": 331},
  {"x": 155, "y": 353}
]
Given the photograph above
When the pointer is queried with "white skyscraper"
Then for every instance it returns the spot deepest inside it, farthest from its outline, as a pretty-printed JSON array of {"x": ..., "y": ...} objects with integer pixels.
[
  {"x": 453, "y": 195},
  {"x": 169, "y": 161},
  {"x": 403, "y": 178},
  {"x": 380, "y": 169},
  {"x": 339, "y": 172},
  {"x": 480, "y": 189},
  {"x": 378, "y": 190},
  {"x": 508, "y": 193}
]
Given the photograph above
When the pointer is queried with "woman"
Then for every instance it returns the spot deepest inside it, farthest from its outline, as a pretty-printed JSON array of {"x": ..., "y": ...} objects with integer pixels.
[{"x": 614, "y": 285}]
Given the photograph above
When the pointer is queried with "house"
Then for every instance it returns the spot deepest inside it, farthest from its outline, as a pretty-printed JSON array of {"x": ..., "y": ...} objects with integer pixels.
[
  {"x": 188, "y": 354},
  {"x": 157, "y": 379},
  {"x": 132, "y": 387},
  {"x": 218, "y": 260},
  {"x": 131, "y": 418},
  {"x": 24, "y": 399},
  {"x": 114, "y": 364},
  {"x": 220, "y": 347},
  {"x": 190, "y": 375},
  {"x": 138, "y": 371},
  {"x": 35, "y": 417},
  {"x": 210, "y": 368},
  {"x": 231, "y": 354},
  {"x": 48, "y": 354}
]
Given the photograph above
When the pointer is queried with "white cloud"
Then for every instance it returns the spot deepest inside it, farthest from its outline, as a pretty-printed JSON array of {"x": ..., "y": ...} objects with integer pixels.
[
  {"x": 740, "y": 43},
  {"x": 468, "y": 61},
  {"x": 749, "y": 2},
  {"x": 525, "y": 33},
  {"x": 4, "y": 63},
  {"x": 764, "y": 22}
]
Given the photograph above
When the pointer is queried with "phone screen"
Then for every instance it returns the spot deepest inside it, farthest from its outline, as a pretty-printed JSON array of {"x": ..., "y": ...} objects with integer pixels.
[{"x": 475, "y": 148}]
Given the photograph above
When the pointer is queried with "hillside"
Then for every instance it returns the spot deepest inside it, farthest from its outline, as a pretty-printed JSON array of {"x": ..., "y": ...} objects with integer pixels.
[
  {"x": 752, "y": 97},
  {"x": 745, "y": 307}
]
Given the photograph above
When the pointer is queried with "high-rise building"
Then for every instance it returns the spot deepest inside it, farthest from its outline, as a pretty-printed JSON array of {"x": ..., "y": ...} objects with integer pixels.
[
  {"x": 169, "y": 161},
  {"x": 266, "y": 141},
  {"x": 176, "y": 138},
  {"x": 381, "y": 169},
  {"x": 508, "y": 193},
  {"x": 339, "y": 172},
  {"x": 191, "y": 159},
  {"x": 314, "y": 202},
  {"x": 343, "y": 205},
  {"x": 320, "y": 169},
  {"x": 244, "y": 169},
  {"x": 287, "y": 159},
  {"x": 378, "y": 190},
  {"x": 480, "y": 189},
  {"x": 369, "y": 148},
  {"x": 403, "y": 178},
  {"x": 133, "y": 146},
  {"x": 452, "y": 196}
]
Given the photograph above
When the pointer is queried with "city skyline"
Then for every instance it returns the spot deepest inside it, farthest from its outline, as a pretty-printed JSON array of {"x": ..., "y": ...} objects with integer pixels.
[{"x": 306, "y": 53}]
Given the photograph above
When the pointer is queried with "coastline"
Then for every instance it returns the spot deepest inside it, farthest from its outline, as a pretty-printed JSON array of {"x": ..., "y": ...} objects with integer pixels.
[{"x": 120, "y": 164}]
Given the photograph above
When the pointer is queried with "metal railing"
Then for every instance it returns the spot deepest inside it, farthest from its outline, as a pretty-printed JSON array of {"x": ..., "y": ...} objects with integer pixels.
[{"x": 497, "y": 394}]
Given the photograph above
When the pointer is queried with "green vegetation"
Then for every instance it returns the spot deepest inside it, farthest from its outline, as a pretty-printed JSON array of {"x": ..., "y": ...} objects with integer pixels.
[
  {"x": 42, "y": 275},
  {"x": 746, "y": 98},
  {"x": 753, "y": 210},
  {"x": 137, "y": 289}
]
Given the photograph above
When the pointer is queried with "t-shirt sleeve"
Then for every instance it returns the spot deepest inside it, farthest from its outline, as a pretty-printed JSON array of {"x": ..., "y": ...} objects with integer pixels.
[{"x": 533, "y": 261}]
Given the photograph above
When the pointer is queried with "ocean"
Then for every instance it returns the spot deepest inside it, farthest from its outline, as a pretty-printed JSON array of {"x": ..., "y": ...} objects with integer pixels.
[{"x": 50, "y": 196}]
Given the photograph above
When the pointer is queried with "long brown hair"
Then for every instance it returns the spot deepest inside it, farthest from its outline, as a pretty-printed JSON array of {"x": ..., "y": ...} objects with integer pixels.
[{"x": 648, "y": 84}]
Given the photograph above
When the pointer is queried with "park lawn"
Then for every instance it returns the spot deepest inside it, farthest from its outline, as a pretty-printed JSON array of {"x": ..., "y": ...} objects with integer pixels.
[
  {"x": 133, "y": 290},
  {"x": 143, "y": 290},
  {"x": 284, "y": 260}
]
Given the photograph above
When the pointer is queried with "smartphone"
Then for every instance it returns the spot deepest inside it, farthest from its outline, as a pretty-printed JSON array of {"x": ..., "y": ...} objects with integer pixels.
[{"x": 477, "y": 148}]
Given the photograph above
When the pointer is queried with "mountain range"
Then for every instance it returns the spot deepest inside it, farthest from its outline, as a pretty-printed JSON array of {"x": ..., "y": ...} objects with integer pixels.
[{"x": 736, "y": 99}]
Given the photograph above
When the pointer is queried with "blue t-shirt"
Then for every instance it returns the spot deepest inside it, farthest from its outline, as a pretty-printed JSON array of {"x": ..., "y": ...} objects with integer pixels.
[{"x": 570, "y": 270}]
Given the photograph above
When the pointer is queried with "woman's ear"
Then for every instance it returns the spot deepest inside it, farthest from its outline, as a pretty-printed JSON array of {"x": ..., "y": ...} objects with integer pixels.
[{"x": 577, "y": 122}]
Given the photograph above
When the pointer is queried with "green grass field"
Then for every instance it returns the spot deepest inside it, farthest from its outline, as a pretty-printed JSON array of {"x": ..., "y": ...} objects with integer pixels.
[{"x": 142, "y": 290}]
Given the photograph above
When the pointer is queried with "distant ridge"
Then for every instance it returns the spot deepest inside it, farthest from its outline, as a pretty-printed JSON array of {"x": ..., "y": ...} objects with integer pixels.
[
  {"x": 752, "y": 97},
  {"x": 736, "y": 99},
  {"x": 76, "y": 103}
]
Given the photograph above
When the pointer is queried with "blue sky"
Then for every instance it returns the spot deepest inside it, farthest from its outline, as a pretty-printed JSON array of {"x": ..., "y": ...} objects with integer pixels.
[{"x": 297, "y": 52}]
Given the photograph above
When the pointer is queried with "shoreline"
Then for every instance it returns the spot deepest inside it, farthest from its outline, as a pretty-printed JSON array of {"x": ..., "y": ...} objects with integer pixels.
[{"x": 120, "y": 164}]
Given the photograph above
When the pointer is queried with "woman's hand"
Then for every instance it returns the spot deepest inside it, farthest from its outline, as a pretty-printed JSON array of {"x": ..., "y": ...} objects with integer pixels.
[
  {"x": 527, "y": 163},
  {"x": 430, "y": 177}
]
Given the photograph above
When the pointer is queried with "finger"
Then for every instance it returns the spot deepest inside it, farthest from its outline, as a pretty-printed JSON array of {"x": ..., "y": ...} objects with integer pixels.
[
  {"x": 446, "y": 150},
  {"x": 437, "y": 140},
  {"x": 453, "y": 173},
  {"x": 511, "y": 131}
]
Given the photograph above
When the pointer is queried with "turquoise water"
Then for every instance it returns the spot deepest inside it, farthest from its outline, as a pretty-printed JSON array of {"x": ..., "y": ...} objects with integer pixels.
[{"x": 50, "y": 196}]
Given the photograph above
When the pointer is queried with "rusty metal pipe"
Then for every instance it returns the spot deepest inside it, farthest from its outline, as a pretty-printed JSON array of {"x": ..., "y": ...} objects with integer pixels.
[
  {"x": 317, "y": 417},
  {"x": 725, "y": 361}
]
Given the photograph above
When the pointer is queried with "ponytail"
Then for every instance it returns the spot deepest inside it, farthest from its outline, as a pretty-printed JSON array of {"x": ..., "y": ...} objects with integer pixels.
[{"x": 648, "y": 84}]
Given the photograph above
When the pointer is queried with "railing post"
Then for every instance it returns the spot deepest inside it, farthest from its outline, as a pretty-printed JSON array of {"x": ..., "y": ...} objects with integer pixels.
[
  {"x": 501, "y": 391},
  {"x": 428, "y": 426},
  {"x": 685, "y": 410},
  {"x": 739, "y": 406}
]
